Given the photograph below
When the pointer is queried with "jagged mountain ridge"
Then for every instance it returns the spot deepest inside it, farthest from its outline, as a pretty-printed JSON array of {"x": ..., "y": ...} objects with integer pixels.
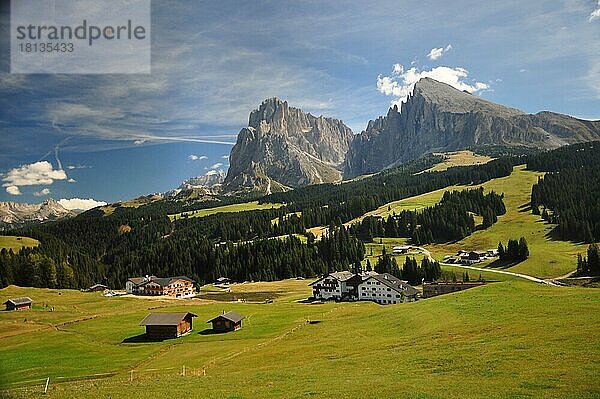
[
  {"x": 15, "y": 214},
  {"x": 284, "y": 147},
  {"x": 439, "y": 118}
]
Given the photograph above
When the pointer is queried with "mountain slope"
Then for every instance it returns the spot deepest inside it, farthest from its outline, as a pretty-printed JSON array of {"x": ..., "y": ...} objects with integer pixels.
[
  {"x": 439, "y": 118},
  {"x": 284, "y": 147},
  {"x": 14, "y": 214}
]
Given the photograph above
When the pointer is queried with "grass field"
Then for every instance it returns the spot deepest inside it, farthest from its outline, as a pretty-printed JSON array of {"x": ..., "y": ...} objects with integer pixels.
[
  {"x": 246, "y": 206},
  {"x": 504, "y": 340},
  {"x": 460, "y": 158},
  {"x": 548, "y": 257},
  {"x": 16, "y": 243}
]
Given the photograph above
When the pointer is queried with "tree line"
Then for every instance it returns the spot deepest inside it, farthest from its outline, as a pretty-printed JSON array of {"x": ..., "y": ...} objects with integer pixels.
[
  {"x": 450, "y": 220},
  {"x": 568, "y": 194}
]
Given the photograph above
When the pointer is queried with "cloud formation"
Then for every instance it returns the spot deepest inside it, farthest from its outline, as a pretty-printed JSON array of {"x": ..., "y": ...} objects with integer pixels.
[
  {"x": 596, "y": 13},
  {"x": 38, "y": 173},
  {"x": 13, "y": 190},
  {"x": 42, "y": 192},
  {"x": 436, "y": 53},
  {"x": 194, "y": 157},
  {"x": 80, "y": 204},
  {"x": 402, "y": 82},
  {"x": 215, "y": 166}
]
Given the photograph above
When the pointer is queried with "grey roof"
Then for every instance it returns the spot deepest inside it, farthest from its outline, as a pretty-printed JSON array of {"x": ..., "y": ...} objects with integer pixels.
[
  {"x": 396, "y": 284},
  {"x": 162, "y": 281},
  {"x": 98, "y": 285},
  {"x": 19, "y": 301},
  {"x": 231, "y": 316},
  {"x": 165, "y": 319},
  {"x": 339, "y": 276}
]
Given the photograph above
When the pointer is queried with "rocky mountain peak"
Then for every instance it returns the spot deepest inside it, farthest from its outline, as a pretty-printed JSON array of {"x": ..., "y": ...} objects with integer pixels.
[
  {"x": 438, "y": 118},
  {"x": 283, "y": 147}
]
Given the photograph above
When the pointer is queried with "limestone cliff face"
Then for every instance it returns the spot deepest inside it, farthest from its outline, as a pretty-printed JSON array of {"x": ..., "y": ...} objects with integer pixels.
[
  {"x": 438, "y": 118},
  {"x": 283, "y": 147},
  {"x": 15, "y": 214}
]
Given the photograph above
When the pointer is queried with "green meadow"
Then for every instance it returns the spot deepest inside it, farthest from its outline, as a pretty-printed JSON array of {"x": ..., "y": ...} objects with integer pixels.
[
  {"x": 510, "y": 339},
  {"x": 548, "y": 257},
  {"x": 17, "y": 243},
  {"x": 246, "y": 206}
]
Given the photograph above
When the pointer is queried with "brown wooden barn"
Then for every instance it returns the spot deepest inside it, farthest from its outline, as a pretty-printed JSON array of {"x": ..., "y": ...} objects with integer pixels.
[
  {"x": 230, "y": 321},
  {"x": 18, "y": 303},
  {"x": 167, "y": 325}
]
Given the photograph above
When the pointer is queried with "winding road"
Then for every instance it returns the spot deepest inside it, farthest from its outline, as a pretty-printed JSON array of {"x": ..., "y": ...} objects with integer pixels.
[{"x": 525, "y": 276}]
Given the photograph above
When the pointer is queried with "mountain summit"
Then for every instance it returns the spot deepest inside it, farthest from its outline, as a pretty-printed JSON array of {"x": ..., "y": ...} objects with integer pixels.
[
  {"x": 438, "y": 118},
  {"x": 285, "y": 147}
]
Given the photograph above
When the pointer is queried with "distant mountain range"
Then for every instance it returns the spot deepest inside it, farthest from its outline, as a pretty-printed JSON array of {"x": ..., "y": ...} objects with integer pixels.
[
  {"x": 14, "y": 214},
  {"x": 284, "y": 147}
]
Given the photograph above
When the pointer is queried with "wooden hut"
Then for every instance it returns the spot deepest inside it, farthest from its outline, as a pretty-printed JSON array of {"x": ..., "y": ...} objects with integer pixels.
[
  {"x": 18, "y": 303},
  {"x": 230, "y": 321},
  {"x": 167, "y": 325}
]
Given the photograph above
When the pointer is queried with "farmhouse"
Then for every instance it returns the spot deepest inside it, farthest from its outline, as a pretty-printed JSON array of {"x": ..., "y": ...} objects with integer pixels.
[
  {"x": 386, "y": 289},
  {"x": 97, "y": 288},
  {"x": 18, "y": 303},
  {"x": 167, "y": 325},
  {"x": 399, "y": 250},
  {"x": 367, "y": 286},
  {"x": 178, "y": 287},
  {"x": 441, "y": 288},
  {"x": 222, "y": 281},
  {"x": 332, "y": 286},
  {"x": 230, "y": 321}
]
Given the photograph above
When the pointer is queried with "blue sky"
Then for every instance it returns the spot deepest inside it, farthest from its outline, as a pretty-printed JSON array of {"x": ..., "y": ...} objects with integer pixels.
[{"x": 213, "y": 62}]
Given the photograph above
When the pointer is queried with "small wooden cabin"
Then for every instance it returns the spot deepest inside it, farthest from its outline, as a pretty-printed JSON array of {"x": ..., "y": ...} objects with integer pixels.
[
  {"x": 167, "y": 325},
  {"x": 97, "y": 288},
  {"x": 18, "y": 303},
  {"x": 230, "y": 321}
]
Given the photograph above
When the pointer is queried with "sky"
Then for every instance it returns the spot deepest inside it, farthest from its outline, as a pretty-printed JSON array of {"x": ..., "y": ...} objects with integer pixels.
[{"x": 104, "y": 138}]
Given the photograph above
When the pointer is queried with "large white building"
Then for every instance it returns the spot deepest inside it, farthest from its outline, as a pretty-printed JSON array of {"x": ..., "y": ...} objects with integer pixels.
[
  {"x": 370, "y": 286},
  {"x": 386, "y": 289},
  {"x": 333, "y": 286}
]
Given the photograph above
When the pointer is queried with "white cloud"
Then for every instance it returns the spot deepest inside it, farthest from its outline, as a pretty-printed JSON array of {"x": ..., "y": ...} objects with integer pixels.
[
  {"x": 38, "y": 173},
  {"x": 139, "y": 142},
  {"x": 436, "y": 53},
  {"x": 72, "y": 181},
  {"x": 225, "y": 157},
  {"x": 596, "y": 13},
  {"x": 42, "y": 192},
  {"x": 215, "y": 166},
  {"x": 194, "y": 157},
  {"x": 80, "y": 204},
  {"x": 211, "y": 172},
  {"x": 13, "y": 190},
  {"x": 402, "y": 81}
]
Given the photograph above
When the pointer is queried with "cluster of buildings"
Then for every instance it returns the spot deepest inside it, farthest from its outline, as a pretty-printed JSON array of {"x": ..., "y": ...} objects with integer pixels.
[
  {"x": 161, "y": 326},
  {"x": 364, "y": 286},
  {"x": 177, "y": 287},
  {"x": 470, "y": 257}
]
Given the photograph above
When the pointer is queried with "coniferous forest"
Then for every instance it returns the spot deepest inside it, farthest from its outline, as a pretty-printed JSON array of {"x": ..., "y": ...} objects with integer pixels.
[
  {"x": 450, "y": 220},
  {"x": 95, "y": 247},
  {"x": 568, "y": 193}
]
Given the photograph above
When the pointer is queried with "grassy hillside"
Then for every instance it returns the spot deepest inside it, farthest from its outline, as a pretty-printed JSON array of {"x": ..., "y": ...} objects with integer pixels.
[
  {"x": 460, "y": 158},
  {"x": 548, "y": 257},
  {"x": 510, "y": 339},
  {"x": 16, "y": 243},
  {"x": 246, "y": 206}
]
